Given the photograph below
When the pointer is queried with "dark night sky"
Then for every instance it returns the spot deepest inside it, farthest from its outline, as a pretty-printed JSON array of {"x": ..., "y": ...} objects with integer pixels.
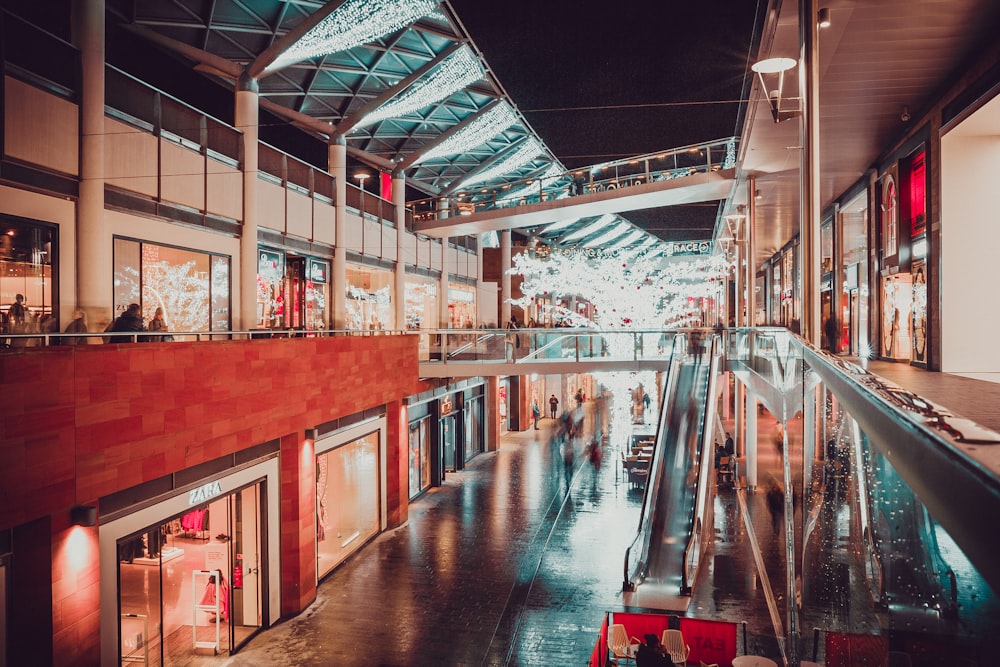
[{"x": 568, "y": 54}]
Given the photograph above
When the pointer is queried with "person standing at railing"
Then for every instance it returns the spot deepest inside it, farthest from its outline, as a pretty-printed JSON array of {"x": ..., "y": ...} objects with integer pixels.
[
  {"x": 159, "y": 324},
  {"x": 129, "y": 321},
  {"x": 511, "y": 340}
]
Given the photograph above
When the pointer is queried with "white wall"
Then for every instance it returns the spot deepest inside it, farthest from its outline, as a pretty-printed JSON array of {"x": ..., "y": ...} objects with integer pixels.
[{"x": 970, "y": 244}]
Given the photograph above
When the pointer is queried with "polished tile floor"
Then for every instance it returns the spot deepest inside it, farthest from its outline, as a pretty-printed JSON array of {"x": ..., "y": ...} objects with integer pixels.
[{"x": 506, "y": 564}]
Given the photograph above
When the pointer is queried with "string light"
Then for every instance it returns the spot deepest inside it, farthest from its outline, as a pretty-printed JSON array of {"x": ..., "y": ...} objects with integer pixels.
[
  {"x": 453, "y": 74},
  {"x": 527, "y": 190},
  {"x": 528, "y": 150},
  {"x": 613, "y": 233},
  {"x": 562, "y": 224},
  {"x": 356, "y": 22},
  {"x": 487, "y": 125},
  {"x": 588, "y": 229}
]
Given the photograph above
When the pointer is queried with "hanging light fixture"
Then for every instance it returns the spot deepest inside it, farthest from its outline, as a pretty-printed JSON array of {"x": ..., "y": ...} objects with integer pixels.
[
  {"x": 775, "y": 69},
  {"x": 354, "y": 23}
]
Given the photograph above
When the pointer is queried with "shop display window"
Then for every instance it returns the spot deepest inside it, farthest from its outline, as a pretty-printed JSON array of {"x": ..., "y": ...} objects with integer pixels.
[
  {"x": 420, "y": 456},
  {"x": 191, "y": 286},
  {"x": 270, "y": 289},
  {"x": 347, "y": 500},
  {"x": 461, "y": 307},
  {"x": 369, "y": 299},
  {"x": 192, "y": 583},
  {"x": 421, "y": 305},
  {"x": 26, "y": 253}
]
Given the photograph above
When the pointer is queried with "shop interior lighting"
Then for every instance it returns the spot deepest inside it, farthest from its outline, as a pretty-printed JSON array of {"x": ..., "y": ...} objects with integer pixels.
[
  {"x": 487, "y": 125},
  {"x": 610, "y": 235},
  {"x": 453, "y": 74},
  {"x": 354, "y": 23},
  {"x": 528, "y": 150},
  {"x": 586, "y": 231}
]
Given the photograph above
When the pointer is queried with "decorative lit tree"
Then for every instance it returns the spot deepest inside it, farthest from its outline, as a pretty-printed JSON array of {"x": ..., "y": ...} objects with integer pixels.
[{"x": 629, "y": 290}]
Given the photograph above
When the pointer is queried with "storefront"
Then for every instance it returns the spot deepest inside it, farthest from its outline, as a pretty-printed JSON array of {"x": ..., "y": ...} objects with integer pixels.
[
  {"x": 855, "y": 334},
  {"x": 293, "y": 291},
  {"x": 191, "y": 286},
  {"x": 27, "y": 249},
  {"x": 350, "y": 491},
  {"x": 192, "y": 572},
  {"x": 420, "y": 305},
  {"x": 420, "y": 438},
  {"x": 461, "y": 306},
  {"x": 369, "y": 298}
]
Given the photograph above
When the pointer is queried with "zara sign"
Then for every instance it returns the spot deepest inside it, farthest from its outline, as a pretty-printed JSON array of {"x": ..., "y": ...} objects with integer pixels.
[{"x": 204, "y": 493}]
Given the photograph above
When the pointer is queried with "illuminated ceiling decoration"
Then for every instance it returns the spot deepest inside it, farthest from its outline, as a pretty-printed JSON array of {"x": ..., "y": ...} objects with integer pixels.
[
  {"x": 453, "y": 74},
  {"x": 528, "y": 150},
  {"x": 354, "y": 23},
  {"x": 610, "y": 235},
  {"x": 562, "y": 224},
  {"x": 552, "y": 172},
  {"x": 631, "y": 238},
  {"x": 486, "y": 126},
  {"x": 589, "y": 229}
]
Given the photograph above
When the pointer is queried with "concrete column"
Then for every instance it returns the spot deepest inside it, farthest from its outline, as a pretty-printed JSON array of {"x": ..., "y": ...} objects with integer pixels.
[
  {"x": 247, "y": 121},
  {"x": 492, "y": 430},
  {"x": 399, "y": 201},
  {"x": 809, "y": 161},
  {"x": 297, "y": 455},
  {"x": 505, "y": 265},
  {"x": 740, "y": 276},
  {"x": 337, "y": 158},
  {"x": 751, "y": 441},
  {"x": 94, "y": 285},
  {"x": 739, "y": 418}
]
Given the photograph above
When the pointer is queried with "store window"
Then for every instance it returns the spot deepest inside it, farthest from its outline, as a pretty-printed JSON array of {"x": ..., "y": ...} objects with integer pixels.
[
  {"x": 27, "y": 250},
  {"x": 420, "y": 456},
  {"x": 347, "y": 500},
  {"x": 270, "y": 289},
  {"x": 192, "y": 583},
  {"x": 826, "y": 246},
  {"x": 192, "y": 287},
  {"x": 473, "y": 435},
  {"x": 317, "y": 294},
  {"x": 369, "y": 299},
  {"x": 421, "y": 304},
  {"x": 461, "y": 306}
]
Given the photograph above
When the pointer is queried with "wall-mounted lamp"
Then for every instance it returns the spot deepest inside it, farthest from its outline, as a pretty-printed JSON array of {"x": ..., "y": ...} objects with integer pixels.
[
  {"x": 824, "y": 17},
  {"x": 775, "y": 69},
  {"x": 757, "y": 195},
  {"x": 82, "y": 515}
]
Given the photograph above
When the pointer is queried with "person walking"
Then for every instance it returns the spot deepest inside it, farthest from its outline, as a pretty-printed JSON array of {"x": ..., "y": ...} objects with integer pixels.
[
  {"x": 77, "y": 325},
  {"x": 553, "y": 406},
  {"x": 775, "y": 499},
  {"x": 536, "y": 414}
]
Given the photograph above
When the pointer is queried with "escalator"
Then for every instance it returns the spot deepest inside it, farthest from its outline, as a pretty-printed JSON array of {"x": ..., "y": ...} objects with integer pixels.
[{"x": 662, "y": 561}]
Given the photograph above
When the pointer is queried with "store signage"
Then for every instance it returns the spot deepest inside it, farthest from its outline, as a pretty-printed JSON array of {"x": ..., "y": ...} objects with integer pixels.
[
  {"x": 446, "y": 406},
  {"x": 317, "y": 271},
  {"x": 204, "y": 493},
  {"x": 689, "y": 248}
]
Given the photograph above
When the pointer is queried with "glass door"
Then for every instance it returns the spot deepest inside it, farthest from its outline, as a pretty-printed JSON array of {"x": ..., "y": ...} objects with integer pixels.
[{"x": 245, "y": 512}]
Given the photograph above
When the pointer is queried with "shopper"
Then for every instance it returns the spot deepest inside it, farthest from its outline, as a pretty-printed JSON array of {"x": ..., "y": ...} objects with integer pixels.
[
  {"x": 536, "y": 414},
  {"x": 553, "y": 406},
  {"x": 159, "y": 324},
  {"x": 129, "y": 321},
  {"x": 77, "y": 325}
]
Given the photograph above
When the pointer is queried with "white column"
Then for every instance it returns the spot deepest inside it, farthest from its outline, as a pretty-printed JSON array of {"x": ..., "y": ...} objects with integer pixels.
[
  {"x": 399, "y": 201},
  {"x": 247, "y": 114},
  {"x": 94, "y": 285},
  {"x": 505, "y": 243},
  {"x": 751, "y": 440},
  {"x": 809, "y": 184},
  {"x": 337, "y": 158},
  {"x": 751, "y": 254}
]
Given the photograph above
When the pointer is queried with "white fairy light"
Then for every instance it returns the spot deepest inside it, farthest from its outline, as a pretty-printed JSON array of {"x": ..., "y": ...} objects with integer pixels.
[
  {"x": 533, "y": 189},
  {"x": 525, "y": 153},
  {"x": 588, "y": 229},
  {"x": 631, "y": 238},
  {"x": 486, "y": 126},
  {"x": 354, "y": 23},
  {"x": 453, "y": 74},
  {"x": 610, "y": 235},
  {"x": 562, "y": 224}
]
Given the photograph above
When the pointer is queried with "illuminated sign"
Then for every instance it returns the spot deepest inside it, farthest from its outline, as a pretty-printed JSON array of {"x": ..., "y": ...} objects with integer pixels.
[
  {"x": 446, "y": 406},
  {"x": 317, "y": 271},
  {"x": 689, "y": 248},
  {"x": 204, "y": 493}
]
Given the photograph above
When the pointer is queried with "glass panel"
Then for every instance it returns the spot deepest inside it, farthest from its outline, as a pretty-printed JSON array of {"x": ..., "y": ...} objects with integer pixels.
[
  {"x": 317, "y": 291},
  {"x": 220, "y": 293},
  {"x": 347, "y": 500},
  {"x": 176, "y": 280},
  {"x": 416, "y": 460},
  {"x": 26, "y": 252},
  {"x": 270, "y": 282},
  {"x": 247, "y": 563},
  {"x": 448, "y": 443},
  {"x": 128, "y": 262},
  {"x": 139, "y": 589},
  {"x": 369, "y": 299}
]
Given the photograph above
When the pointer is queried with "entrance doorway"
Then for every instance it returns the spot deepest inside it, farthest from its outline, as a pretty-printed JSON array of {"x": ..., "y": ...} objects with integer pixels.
[{"x": 192, "y": 584}]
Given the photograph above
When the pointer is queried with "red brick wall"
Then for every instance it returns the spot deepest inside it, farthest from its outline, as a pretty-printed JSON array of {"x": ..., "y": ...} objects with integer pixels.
[{"x": 77, "y": 423}]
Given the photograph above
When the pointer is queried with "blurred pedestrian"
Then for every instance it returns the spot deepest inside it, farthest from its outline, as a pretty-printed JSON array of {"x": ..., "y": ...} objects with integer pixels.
[
  {"x": 775, "y": 499},
  {"x": 77, "y": 325},
  {"x": 536, "y": 414},
  {"x": 129, "y": 321}
]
